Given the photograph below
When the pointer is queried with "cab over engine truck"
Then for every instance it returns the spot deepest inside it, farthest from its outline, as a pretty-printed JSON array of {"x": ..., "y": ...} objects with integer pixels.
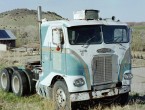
[{"x": 81, "y": 59}]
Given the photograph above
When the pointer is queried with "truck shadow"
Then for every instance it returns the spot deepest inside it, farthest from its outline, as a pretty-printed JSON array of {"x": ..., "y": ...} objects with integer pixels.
[
  {"x": 102, "y": 104},
  {"x": 91, "y": 105},
  {"x": 136, "y": 99}
]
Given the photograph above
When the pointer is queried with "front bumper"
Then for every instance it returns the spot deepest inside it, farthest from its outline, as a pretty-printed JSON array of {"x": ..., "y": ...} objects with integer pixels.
[{"x": 74, "y": 97}]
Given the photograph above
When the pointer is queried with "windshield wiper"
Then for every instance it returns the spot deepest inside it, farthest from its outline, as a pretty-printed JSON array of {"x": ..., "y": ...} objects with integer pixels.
[
  {"x": 121, "y": 45},
  {"x": 86, "y": 43}
]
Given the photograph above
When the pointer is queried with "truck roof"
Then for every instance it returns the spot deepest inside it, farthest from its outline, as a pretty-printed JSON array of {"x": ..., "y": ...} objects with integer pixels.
[{"x": 71, "y": 23}]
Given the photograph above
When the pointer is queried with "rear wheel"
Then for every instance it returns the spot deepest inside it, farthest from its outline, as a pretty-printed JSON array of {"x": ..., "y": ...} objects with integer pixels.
[
  {"x": 61, "y": 96},
  {"x": 20, "y": 83},
  {"x": 5, "y": 79},
  {"x": 31, "y": 82}
]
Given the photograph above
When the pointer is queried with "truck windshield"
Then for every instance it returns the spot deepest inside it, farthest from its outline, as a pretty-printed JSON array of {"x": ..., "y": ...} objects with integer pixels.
[
  {"x": 115, "y": 34},
  {"x": 80, "y": 35}
]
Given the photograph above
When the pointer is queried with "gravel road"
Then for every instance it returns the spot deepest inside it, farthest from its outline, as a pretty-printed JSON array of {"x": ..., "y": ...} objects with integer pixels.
[{"x": 138, "y": 81}]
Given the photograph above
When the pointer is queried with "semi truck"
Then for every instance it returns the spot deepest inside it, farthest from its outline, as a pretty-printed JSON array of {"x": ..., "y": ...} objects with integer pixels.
[{"x": 81, "y": 59}]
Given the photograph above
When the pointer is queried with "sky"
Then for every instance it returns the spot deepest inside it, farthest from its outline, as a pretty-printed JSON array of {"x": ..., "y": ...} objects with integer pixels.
[{"x": 124, "y": 10}]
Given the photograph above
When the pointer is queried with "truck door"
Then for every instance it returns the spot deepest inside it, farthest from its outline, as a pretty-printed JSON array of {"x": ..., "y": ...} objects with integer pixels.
[{"x": 58, "y": 51}]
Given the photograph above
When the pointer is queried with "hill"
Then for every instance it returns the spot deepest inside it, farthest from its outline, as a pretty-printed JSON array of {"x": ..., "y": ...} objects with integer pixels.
[
  {"x": 24, "y": 17},
  {"x": 23, "y": 23}
]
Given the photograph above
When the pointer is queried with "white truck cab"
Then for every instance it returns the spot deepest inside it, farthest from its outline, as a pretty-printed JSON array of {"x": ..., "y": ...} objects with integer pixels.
[
  {"x": 81, "y": 59},
  {"x": 85, "y": 58}
]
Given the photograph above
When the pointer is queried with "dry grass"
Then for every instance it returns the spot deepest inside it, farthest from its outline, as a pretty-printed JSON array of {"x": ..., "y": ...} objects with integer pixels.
[
  {"x": 9, "y": 58},
  {"x": 138, "y": 38},
  {"x": 138, "y": 59},
  {"x": 8, "y": 101}
]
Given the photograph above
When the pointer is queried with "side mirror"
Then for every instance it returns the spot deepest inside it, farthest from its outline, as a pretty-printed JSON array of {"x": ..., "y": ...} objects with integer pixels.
[{"x": 57, "y": 36}]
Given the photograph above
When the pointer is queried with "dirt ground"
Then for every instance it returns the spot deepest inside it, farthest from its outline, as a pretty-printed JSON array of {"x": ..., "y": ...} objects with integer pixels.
[{"x": 138, "y": 81}]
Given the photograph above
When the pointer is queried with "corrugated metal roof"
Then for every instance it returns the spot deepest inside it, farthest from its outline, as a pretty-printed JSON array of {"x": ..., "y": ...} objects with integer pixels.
[{"x": 6, "y": 35}]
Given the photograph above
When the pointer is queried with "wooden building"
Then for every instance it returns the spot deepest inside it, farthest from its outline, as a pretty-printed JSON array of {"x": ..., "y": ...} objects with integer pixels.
[{"x": 8, "y": 38}]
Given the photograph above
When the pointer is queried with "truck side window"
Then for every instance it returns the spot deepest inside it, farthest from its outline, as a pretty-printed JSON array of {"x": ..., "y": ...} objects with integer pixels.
[{"x": 120, "y": 35}]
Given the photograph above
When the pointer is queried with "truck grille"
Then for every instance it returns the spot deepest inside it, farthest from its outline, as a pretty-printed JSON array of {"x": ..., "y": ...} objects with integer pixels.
[{"x": 102, "y": 69}]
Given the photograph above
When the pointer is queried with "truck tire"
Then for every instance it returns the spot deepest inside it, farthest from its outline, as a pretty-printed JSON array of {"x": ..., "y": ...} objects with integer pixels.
[
  {"x": 32, "y": 83},
  {"x": 5, "y": 79},
  {"x": 19, "y": 83},
  {"x": 61, "y": 96},
  {"x": 13, "y": 68},
  {"x": 123, "y": 99}
]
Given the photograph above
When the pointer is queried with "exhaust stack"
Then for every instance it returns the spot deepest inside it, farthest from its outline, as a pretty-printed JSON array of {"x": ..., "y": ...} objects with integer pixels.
[{"x": 39, "y": 13}]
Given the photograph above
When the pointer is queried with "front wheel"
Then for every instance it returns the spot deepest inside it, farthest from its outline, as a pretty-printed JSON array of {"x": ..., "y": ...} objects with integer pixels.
[{"x": 61, "y": 96}]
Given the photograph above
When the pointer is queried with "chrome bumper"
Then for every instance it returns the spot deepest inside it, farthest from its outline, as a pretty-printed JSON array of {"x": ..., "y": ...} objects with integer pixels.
[{"x": 99, "y": 94}]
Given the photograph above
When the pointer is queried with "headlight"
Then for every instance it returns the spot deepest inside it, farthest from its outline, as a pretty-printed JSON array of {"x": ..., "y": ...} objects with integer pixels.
[
  {"x": 128, "y": 76},
  {"x": 79, "y": 82}
]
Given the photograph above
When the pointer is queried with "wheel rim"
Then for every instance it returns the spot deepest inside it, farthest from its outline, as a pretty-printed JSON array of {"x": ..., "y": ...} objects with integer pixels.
[
  {"x": 4, "y": 80},
  {"x": 16, "y": 84},
  {"x": 60, "y": 97}
]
